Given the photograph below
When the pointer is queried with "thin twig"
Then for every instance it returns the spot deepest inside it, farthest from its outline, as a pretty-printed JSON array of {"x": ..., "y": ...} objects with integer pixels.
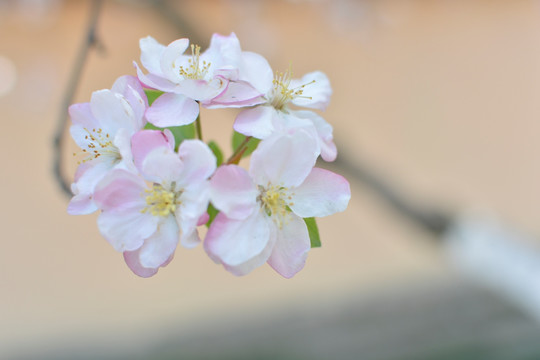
[
  {"x": 90, "y": 40},
  {"x": 238, "y": 152}
]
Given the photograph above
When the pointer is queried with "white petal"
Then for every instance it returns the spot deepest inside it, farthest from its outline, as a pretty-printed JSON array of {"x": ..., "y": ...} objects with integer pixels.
[
  {"x": 232, "y": 191},
  {"x": 172, "y": 110},
  {"x": 161, "y": 245},
  {"x": 323, "y": 193},
  {"x": 113, "y": 112},
  {"x": 324, "y": 133},
  {"x": 292, "y": 245},
  {"x": 151, "y": 52},
  {"x": 315, "y": 95},
  {"x": 240, "y": 245},
  {"x": 257, "y": 122},
  {"x": 198, "y": 162},
  {"x": 171, "y": 59},
  {"x": 284, "y": 160},
  {"x": 256, "y": 70}
]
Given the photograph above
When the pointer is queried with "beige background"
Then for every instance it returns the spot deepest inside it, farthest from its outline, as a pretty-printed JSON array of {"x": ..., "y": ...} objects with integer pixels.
[{"x": 441, "y": 97}]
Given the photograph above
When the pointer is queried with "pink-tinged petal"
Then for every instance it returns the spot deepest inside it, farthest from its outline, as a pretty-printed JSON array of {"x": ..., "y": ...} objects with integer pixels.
[
  {"x": 224, "y": 50},
  {"x": 284, "y": 160},
  {"x": 193, "y": 204},
  {"x": 323, "y": 193},
  {"x": 81, "y": 204},
  {"x": 256, "y": 70},
  {"x": 240, "y": 245},
  {"x": 126, "y": 229},
  {"x": 172, "y": 110},
  {"x": 88, "y": 175},
  {"x": 257, "y": 122},
  {"x": 171, "y": 59},
  {"x": 122, "y": 141},
  {"x": 203, "y": 219},
  {"x": 144, "y": 141},
  {"x": 154, "y": 81},
  {"x": 202, "y": 90},
  {"x": 324, "y": 133},
  {"x": 232, "y": 192},
  {"x": 198, "y": 162},
  {"x": 82, "y": 117},
  {"x": 317, "y": 94},
  {"x": 151, "y": 52},
  {"x": 161, "y": 165},
  {"x": 292, "y": 245},
  {"x": 132, "y": 260},
  {"x": 113, "y": 111},
  {"x": 237, "y": 94},
  {"x": 120, "y": 190},
  {"x": 132, "y": 90},
  {"x": 161, "y": 245},
  {"x": 190, "y": 240}
]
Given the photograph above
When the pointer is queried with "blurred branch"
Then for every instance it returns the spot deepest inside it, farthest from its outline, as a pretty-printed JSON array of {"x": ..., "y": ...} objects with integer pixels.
[
  {"x": 90, "y": 41},
  {"x": 164, "y": 9},
  {"x": 432, "y": 220}
]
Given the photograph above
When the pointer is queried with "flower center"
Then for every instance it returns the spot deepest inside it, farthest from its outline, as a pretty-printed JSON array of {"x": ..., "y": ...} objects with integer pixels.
[
  {"x": 282, "y": 93},
  {"x": 160, "y": 202},
  {"x": 275, "y": 202},
  {"x": 99, "y": 144},
  {"x": 195, "y": 69}
]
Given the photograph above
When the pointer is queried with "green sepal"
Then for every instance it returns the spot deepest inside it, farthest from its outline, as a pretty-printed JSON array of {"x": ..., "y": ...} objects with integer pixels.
[
  {"x": 238, "y": 139},
  {"x": 212, "y": 213},
  {"x": 217, "y": 152},
  {"x": 313, "y": 231},
  {"x": 152, "y": 95}
]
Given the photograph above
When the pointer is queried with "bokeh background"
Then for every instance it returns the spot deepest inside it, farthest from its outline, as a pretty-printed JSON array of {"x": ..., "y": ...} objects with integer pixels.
[{"x": 439, "y": 98}]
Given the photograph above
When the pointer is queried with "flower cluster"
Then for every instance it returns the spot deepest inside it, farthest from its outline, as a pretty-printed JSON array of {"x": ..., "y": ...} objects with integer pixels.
[{"x": 144, "y": 165}]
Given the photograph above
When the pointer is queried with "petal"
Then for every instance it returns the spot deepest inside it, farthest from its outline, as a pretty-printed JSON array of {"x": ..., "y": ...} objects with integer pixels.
[
  {"x": 237, "y": 94},
  {"x": 285, "y": 160},
  {"x": 292, "y": 245},
  {"x": 324, "y": 133},
  {"x": 113, "y": 111},
  {"x": 171, "y": 58},
  {"x": 154, "y": 81},
  {"x": 132, "y": 260},
  {"x": 130, "y": 87},
  {"x": 126, "y": 229},
  {"x": 172, "y": 110},
  {"x": 323, "y": 193},
  {"x": 161, "y": 245},
  {"x": 224, "y": 51},
  {"x": 198, "y": 162},
  {"x": 122, "y": 141},
  {"x": 81, "y": 116},
  {"x": 161, "y": 165},
  {"x": 81, "y": 204},
  {"x": 151, "y": 52},
  {"x": 202, "y": 90},
  {"x": 120, "y": 190},
  {"x": 316, "y": 93},
  {"x": 256, "y": 70},
  {"x": 240, "y": 245},
  {"x": 257, "y": 122},
  {"x": 144, "y": 141},
  {"x": 232, "y": 192}
]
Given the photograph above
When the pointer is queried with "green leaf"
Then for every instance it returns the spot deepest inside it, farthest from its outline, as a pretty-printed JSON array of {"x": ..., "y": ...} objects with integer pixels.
[
  {"x": 180, "y": 133},
  {"x": 212, "y": 212},
  {"x": 152, "y": 95},
  {"x": 313, "y": 232},
  {"x": 238, "y": 139},
  {"x": 217, "y": 152}
]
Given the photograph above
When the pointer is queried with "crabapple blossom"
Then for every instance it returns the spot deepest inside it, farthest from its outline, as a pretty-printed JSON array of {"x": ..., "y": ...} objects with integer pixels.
[
  {"x": 262, "y": 210},
  {"x": 216, "y": 77},
  {"x": 274, "y": 115},
  {"x": 144, "y": 221},
  {"x": 103, "y": 128}
]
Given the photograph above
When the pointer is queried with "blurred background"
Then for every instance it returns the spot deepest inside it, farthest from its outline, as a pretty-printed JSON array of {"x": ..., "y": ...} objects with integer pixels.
[{"x": 438, "y": 99}]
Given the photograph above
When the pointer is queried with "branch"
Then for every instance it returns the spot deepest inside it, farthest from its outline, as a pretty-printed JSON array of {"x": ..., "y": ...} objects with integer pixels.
[{"x": 90, "y": 40}]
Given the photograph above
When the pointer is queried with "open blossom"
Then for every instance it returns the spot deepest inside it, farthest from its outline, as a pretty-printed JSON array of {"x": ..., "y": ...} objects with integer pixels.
[
  {"x": 275, "y": 115},
  {"x": 216, "y": 77},
  {"x": 146, "y": 221},
  {"x": 103, "y": 128},
  {"x": 261, "y": 212}
]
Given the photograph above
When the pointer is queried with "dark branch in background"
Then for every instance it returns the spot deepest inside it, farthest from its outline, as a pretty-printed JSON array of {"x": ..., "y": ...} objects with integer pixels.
[
  {"x": 164, "y": 9},
  {"x": 433, "y": 220},
  {"x": 90, "y": 40}
]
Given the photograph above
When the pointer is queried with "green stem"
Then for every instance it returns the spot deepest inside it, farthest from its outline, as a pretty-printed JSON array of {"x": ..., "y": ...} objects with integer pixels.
[
  {"x": 199, "y": 127},
  {"x": 238, "y": 152}
]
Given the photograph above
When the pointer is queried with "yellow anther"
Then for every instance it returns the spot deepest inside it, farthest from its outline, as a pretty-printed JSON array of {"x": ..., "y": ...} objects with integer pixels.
[
  {"x": 196, "y": 69},
  {"x": 282, "y": 94},
  {"x": 272, "y": 199},
  {"x": 160, "y": 202}
]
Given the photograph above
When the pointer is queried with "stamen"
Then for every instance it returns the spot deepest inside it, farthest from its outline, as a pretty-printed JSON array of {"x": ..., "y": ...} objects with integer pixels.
[
  {"x": 99, "y": 145},
  {"x": 275, "y": 203},
  {"x": 282, "y": 94},
  {"x": 160, "y": 202},
  {"x": 195, "y": 70}
]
